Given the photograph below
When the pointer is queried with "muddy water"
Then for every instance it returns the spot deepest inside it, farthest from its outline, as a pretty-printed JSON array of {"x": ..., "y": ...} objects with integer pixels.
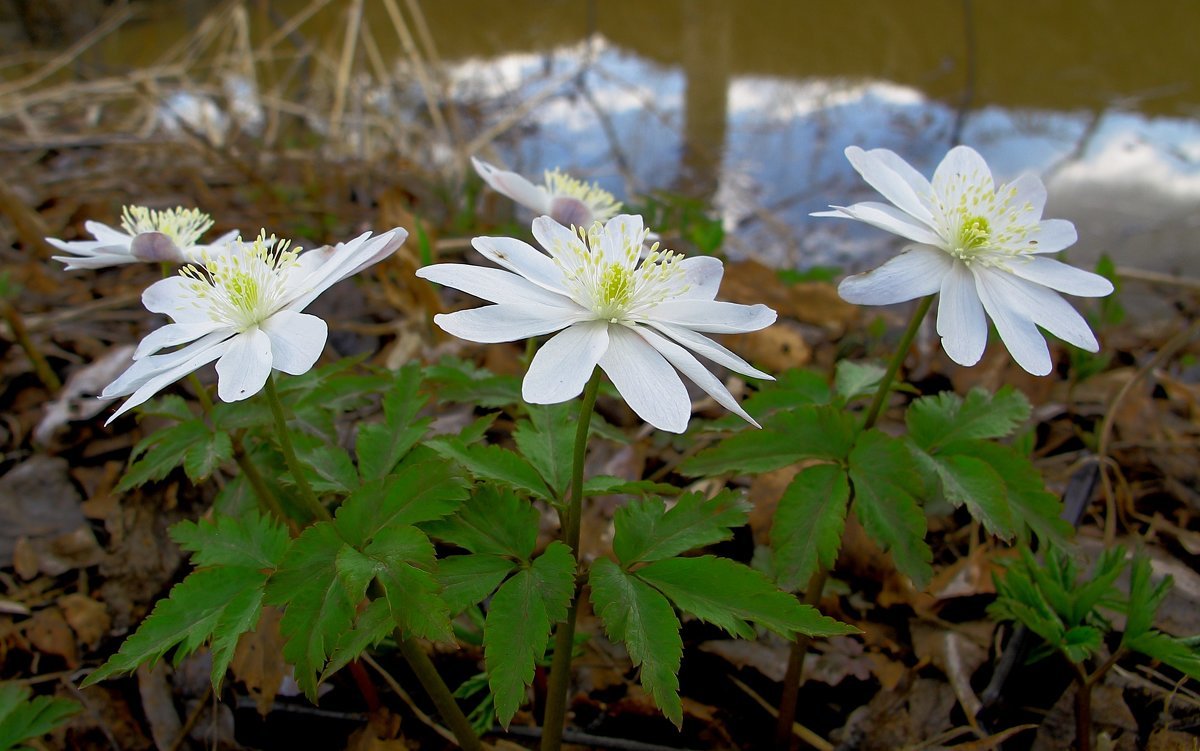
[{"x": 748, "y": 105}]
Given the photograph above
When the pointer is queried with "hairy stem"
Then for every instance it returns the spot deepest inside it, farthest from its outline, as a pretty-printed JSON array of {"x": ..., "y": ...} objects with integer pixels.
[
  {"x": 564, "y": 634},
  {"x": 816, "y": 587},
  {"x": 309, "y": 499}
]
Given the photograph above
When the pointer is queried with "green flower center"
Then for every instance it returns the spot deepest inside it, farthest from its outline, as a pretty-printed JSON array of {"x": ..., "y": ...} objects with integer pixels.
[
  {"x": 618, "y": 289},
  {"x": 243, "y": 286}
]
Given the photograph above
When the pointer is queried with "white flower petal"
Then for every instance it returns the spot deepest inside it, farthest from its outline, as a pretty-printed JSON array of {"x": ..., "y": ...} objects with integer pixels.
[
  {"x": 493, "y": 285},
  {"x": 514, "y": 186},
  {"x": 646, "y": 381},
  {"x": 523, "y": 259},
  {"x": 173, "y": 334},
  {"x": 296, "y": 340},
  {"x": 962, "y": 168},
  {"x": 1019, "y": 333},
  {"x": 916, "y": 272},
  {"x": 506, "y": 322},
  {"x": 1045, "y": 308},
  {"x": 559, "y": 242},
  {"x": 1051, "y": 236},
  {"x": 98, "y": 261},
  {"x": 703, "y": 276},
  {"x": 895, "y": 180},
  {"x": 343, "y": 260},
  {"x": 960, "y": 319},
  {"x": 563, "y": 365},
  {"x": 691, "y": 367},
  {"x": 244, "y": 368},
  {"x": 713, "y": 317},
  {"x": 888, "y": 218},
  {"x": 107, "y": 235},
  {"x": 621, "y": 232},
  {"x": 1060, "y": 276},
  {"x": 702, "y": 345},
  {"x": 1029, "y": 191},
  {"x": 175, "y": 296},
  {"x": 148, "y": 376}
]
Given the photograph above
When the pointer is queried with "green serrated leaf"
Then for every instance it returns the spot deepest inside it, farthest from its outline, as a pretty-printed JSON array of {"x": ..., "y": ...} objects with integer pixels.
[
  {"x": 419, "y": 491},
  {"x": 461, "y": 381},
  {"x": 468, "y": 579},
  {"x": 170, "y": 406},
  {"x": 371, "y": 626},
  {"x": 23, "y": 718},
  {"x": 494, "y": 521},
  {"x": 639, "y": 617},
  {"x": 731, "y": 595},
  {"x": 1144, "y": 598},
  {"x": 971, "y": 481},
  {"x": 1181, "y": 654},
  {"x": 884, "y": 480},
  {"x": 792, "y": 388},
  {"x": 609, "y": 485},
  {"x": 494, "y": 463},
  {"x": 320, "y": 600},
  {"x": 162, "y": 451},
  {"x": 1029, "y": 501},
  {"x": 327, "y": 466},
  {"x": 854, "y": 379},
  {"x": 806, "y": 532},
  {"x": 203, "y": 458},
  {"x": 381, "y": 446},
  {"x": 803, "y": 433},
  {"x": 647, "y": 531},
  {"x": 935, "y": 421},
  {"x": 251, "y": 541},
  {"x": 405, "y": 571},
  {"x": 518, "y": 625},
  {"x": 546, "y": 440},
  {"x": 1079, "y": 643}
]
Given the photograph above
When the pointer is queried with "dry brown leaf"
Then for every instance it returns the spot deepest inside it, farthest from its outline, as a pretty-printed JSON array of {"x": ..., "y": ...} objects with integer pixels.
[
  {"x": 768, "y": 659},
  {"x": 48, "y": 631},
  {"x": 955, "y": 654},
  {"x": 381, "y": 733},
  {"x": 87, "y": 617},
  {"x": 158, "y": 703},
  {"x": 258, "y": 660}
]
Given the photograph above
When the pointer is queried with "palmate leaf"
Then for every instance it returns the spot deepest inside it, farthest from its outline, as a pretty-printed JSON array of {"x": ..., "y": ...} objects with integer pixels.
[
  {"x": 972, "y": 481},
  {"x": 204, "y": 456},
  {"x": 731, "y": 596},
  {"x": 328, "y": 468},
  {"x": 647, "y": 531},
  {"x": 468, "y": 579},
  {"x": 935, "y": 421},
  {"x": 546, "y": 440},
  {"x": 23, "y": 719},
  {"x": 854, "y": 379},
  {"x": 380, "y": 446},
  {"x": 519, "y": 621},
  {"x": 419, "y": 491},
  {"x": 494, "y": 521},
  {"x": 156, "y": 455},
  {"x": 811, "y": 432},
  {"x": 1037, "y": 509},
  {"x": 488, "y": 462},
  {"x": 806, "y": 532},
  {"x": 609, "y": 485},
  {"x": 459, "y": 380},
  {"x": 641, "y": 618},
  {"x": 218, "y": 602},
  {"x": 405, "y": 561},
  {"x": 372, "y": 625},
  {"x": 885, "y": 481},
  {"x": 321, "y": 580}
]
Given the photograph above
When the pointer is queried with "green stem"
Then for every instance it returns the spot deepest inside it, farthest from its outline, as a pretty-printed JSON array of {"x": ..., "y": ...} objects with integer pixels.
[
  {"x": 885, "y": 385},
  {"x": 564, "y": 634},
  {"x": 784, "y": 738},
  {"x": 206, "y": 403},
  {"x": 266, "y": 498},
  {"x": 309, "y": 498},
  {"x": 439, "y": 692}
]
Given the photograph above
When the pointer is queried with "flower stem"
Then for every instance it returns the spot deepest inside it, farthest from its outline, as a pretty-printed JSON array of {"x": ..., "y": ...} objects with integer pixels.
[
  {"x": 16, "y": 324},
  {"x": 266, "y": 498},
  {"x": 315, "y": 509},
  {"x": 564, "y": 634},
  {"x": 885, "y": 384},
  {"x": 784, "y": 739},
  {"x": 439, "y": 692}
]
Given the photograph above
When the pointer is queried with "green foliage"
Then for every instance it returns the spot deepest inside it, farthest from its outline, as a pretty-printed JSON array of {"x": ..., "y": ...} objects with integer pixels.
[
  {"x": 25, "y": 719},
  {"x": 936, "y": 421},
  {"x": 807, "y": 432},
  {"x": 886, "y": 487},
  {"x": 641, "y": 618},
  {"x": 608, "y": 485},
  {"x": 546, "y": 440},
  {"x": 404, "y": 564},
  {"x": 488, "y": 462},
  {"x": 327, "y": 467},
  {"x": 189, "y": 443},
  {"x": 853, "y": 380},
  {"x": 647, "y": 531},
  {"x": 806, "y": 532},
  {"x": 518, "y": 624},
  {"x": 380, "y": 446},
  {"x": 219, "y": 601},
  {"x": 826, "y": 274},
  {"x": 419, "y": 491},
  {"x": 493, "y": 521},
  {"x": 468, "y": 579},
  {"x": 1056, "y": 602},
  {"x": 457, "y": 380}
]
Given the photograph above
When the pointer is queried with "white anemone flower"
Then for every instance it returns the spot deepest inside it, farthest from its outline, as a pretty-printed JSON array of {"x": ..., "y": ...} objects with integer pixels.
[
  {"x": 611, "y": 307},
  {"x": 170, "y": 235},
  {"x": 243, "y": 309},
  {"x": 563, "y": 198},
  {"x": 983, "y": 248}
]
